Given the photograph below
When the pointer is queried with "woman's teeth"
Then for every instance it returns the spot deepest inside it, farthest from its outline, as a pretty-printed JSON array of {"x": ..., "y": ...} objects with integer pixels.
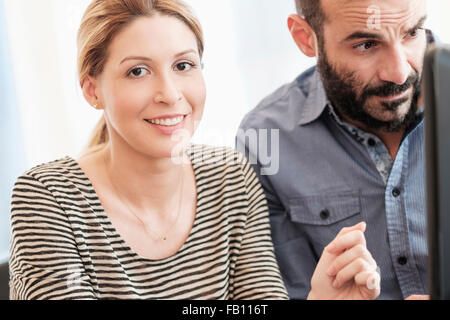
[{"x": 167, "y": 122}]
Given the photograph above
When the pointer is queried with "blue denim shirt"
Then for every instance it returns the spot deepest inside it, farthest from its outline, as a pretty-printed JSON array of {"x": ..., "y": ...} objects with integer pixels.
[
  {"x": 376, "y": 148},
  {"x": 327, "y": 180}
]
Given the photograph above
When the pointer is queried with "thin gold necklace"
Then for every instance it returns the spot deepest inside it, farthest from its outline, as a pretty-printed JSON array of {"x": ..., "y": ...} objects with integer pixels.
[{"x": 149, "y": 231}]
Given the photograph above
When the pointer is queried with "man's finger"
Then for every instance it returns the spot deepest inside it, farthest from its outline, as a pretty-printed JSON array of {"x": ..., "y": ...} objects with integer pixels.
[
  {"x": 369, "y": 281},
  {"x": 347, "y": 241},
  {"x": 360, "y": 226},
  {"x": 358, "y": 251},
  {"x": 350, "y": 271}
]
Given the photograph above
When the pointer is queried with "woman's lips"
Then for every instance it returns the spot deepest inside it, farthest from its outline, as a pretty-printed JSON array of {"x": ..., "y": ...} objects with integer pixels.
[
  {"x": 171, "y": 120},
  {"x": 168, "y": 124}
]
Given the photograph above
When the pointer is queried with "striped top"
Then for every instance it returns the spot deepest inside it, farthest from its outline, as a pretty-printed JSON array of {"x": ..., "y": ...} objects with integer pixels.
[{"x": 65, "y": 247}]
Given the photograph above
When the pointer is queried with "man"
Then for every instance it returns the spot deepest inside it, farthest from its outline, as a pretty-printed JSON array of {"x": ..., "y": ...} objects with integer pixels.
[{"x": 351, "y": 141}]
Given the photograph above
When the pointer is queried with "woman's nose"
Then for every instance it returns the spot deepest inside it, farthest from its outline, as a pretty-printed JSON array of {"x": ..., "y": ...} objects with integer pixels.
[{"x": 167, "y": 91}]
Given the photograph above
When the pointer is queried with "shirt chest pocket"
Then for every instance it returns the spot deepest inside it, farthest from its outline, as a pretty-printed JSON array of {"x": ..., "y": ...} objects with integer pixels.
[{"x": 321, "y": 217}]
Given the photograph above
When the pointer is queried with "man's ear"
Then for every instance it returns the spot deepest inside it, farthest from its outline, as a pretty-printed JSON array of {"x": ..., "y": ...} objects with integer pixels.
[
  {"x": 91, "y": 92},
  {"x": 303, "y": 35}
]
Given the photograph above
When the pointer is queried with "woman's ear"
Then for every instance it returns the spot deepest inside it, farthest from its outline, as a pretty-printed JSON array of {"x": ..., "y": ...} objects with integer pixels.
[
  {"x": 303, "y": 35},
  {"x": 90, "y": 92}
]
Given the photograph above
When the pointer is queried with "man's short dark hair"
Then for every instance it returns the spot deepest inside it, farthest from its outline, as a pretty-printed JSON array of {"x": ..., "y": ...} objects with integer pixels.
[{"x": 313, "y": 13}]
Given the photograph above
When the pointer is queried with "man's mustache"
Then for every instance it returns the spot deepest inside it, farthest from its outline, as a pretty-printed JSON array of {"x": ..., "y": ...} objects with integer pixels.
[{"x": 391, "y": 89}]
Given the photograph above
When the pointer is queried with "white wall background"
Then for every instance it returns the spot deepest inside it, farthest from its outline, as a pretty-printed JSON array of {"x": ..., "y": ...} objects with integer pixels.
[{"x": 249, "y": 53}]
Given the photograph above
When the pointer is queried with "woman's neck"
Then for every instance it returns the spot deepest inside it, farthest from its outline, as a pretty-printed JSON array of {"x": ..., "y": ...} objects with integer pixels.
[{"x": 149, "y": 185}]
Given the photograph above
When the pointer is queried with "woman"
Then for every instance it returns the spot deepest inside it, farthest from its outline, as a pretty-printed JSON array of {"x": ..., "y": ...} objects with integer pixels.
[{"x": 143, "y": 214}]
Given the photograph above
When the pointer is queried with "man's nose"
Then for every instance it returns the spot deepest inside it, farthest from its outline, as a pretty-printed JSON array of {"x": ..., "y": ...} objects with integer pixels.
[
  {"x": 167, "y": 91},
  {"x": 395, "y": 67}
]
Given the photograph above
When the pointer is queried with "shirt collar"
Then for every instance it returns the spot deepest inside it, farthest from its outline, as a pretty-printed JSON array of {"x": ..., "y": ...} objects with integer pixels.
[{"x": 315, "y": 102}]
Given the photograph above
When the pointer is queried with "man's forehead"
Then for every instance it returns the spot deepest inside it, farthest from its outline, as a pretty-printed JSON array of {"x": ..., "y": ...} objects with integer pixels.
[{"x": 362, "y": 13}]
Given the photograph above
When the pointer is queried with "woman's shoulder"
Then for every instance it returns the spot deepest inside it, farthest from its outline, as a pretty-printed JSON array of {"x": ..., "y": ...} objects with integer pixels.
[
  {"x": 63, "y": 167},
  {"x": 207, "y": 155},
  {"x": 221, "y": 161},
  {"x": 45, "y": 185}
]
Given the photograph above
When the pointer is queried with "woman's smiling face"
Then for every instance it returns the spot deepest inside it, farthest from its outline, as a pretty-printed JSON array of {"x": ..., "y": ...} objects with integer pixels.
[{"x": 152, "y": 85}]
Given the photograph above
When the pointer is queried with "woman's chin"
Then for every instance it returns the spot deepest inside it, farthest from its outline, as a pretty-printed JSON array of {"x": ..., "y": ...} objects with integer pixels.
[{"x": 170, "y": 150}]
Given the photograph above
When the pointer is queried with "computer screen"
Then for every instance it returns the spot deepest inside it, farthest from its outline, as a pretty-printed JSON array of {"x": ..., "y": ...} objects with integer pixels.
[{"x": 437, "y": 109}]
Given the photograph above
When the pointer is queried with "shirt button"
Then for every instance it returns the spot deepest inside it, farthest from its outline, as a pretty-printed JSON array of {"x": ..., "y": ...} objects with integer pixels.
[
  {"x": 402, "y": 260},
  {"x": 396, "y": 192},
  {"x": 371, "y": 142},
  {"x": 324, "y": 214}
]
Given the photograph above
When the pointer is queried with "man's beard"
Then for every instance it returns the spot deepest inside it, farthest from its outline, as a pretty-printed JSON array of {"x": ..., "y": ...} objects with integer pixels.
[{"x": 341, "y": 92}]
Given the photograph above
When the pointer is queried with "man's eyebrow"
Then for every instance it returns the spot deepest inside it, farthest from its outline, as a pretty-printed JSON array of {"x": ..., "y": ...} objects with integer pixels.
[
  {"x": 377, "y": 36},
  {"x": 363, "y": 35},
  {"x": 182, "y": 53},
  {"x": 418, "y": 25}
]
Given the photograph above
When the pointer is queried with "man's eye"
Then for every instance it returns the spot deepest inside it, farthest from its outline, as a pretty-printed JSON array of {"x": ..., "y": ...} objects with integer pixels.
[
  {"x": 415, "y": 33},
  {"x": 138, "y": 72},
  {"x": 184, "y": 66},
  {"x": 365, "y": 46}
]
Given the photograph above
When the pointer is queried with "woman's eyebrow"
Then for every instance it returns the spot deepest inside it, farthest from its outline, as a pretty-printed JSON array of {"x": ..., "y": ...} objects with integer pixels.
[
  {"x": 185, "y": 52},
  {"x": 135, "y": 58},
  {"x": 148, "y": 59}
]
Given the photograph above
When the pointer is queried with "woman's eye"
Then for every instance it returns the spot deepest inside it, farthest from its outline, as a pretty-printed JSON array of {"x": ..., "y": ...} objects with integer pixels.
[
  {"x": 184, "y": 66},
  {"x": 138, "y": 72},
  {"x": 365, "y": 46}
]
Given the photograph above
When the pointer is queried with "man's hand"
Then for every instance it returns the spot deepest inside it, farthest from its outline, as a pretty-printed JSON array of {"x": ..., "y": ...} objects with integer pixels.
[
  {"x": 346, "y": 269},
  {"x": 418, "y": 297}
]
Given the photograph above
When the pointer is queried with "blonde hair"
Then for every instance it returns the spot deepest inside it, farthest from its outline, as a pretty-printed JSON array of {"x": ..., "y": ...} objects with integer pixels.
[{"x": 102, "y": 21}]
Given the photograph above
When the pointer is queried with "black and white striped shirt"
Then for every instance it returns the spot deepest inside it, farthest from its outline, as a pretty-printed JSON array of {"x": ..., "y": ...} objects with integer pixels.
[{"x": 65, "y": 247}]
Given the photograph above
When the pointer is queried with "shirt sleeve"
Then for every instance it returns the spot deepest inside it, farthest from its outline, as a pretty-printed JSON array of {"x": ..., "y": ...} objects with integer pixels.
[
  {"x": 257, "y": 275},
  {"x": 295, "y": 256},
  {"x": 45, "y": 262}
]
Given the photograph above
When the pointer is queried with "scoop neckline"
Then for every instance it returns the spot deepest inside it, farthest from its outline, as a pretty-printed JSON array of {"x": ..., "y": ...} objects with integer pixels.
[{"x": 115, "y": 233}]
